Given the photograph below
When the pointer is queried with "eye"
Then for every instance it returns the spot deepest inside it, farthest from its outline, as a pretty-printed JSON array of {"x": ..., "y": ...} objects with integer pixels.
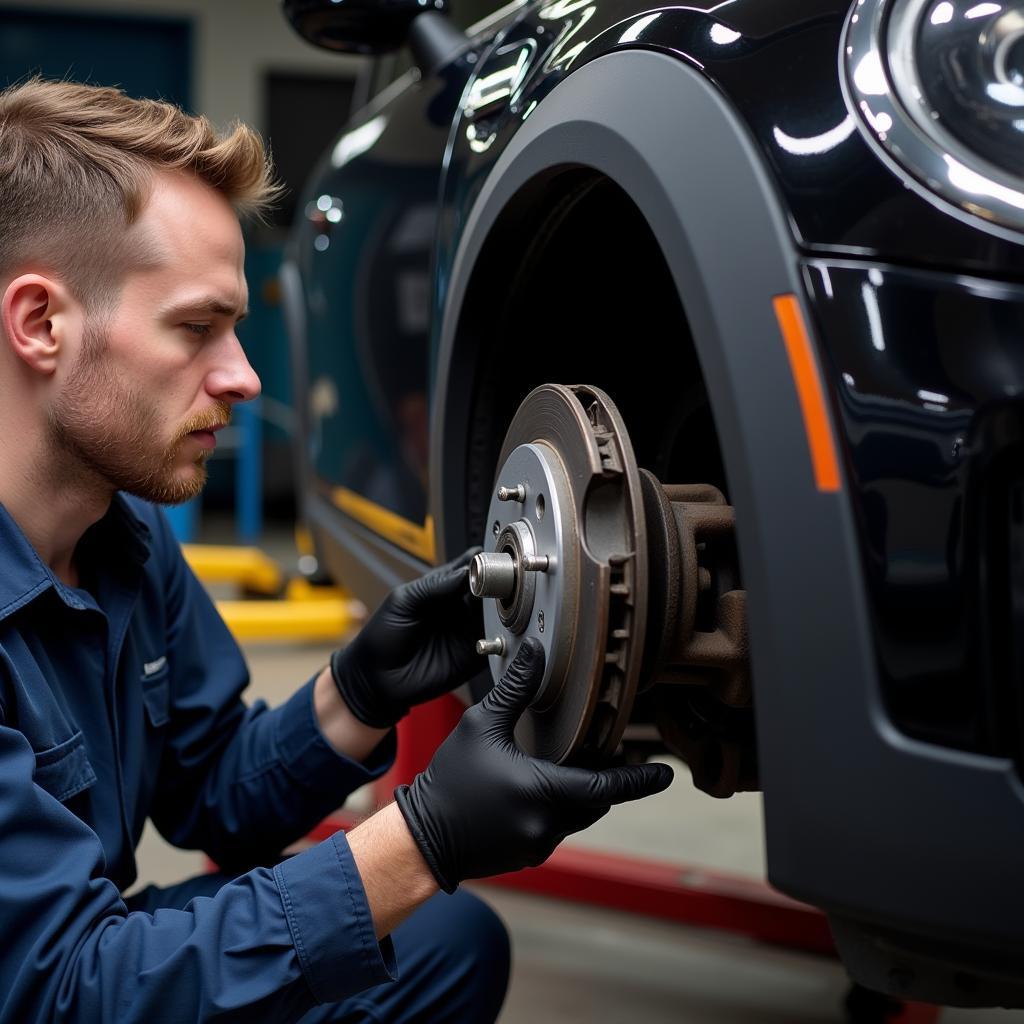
[{"x": 202, "y": 330}]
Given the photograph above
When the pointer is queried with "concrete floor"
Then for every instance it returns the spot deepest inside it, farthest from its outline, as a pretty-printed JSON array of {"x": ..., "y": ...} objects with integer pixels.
[{"x": 579, "y": 964}]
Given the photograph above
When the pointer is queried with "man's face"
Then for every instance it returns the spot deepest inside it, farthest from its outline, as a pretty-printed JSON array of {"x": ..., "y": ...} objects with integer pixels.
[{"x": 155, "y": 378}]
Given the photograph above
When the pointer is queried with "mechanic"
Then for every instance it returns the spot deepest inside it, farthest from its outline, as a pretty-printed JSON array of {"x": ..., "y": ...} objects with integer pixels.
[{"x": 121, "y": 274}]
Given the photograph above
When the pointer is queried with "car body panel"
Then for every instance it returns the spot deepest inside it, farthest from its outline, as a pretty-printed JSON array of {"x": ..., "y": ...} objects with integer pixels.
[
  {"x": 368, "y": 400},
  {"x": 778, "y": 65},
  {"x": 927, "y": 373}
]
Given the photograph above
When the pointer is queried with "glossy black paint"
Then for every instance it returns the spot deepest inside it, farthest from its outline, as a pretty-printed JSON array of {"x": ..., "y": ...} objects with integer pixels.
[
  {"x": 366, "y": 296},
  {"x": 778, "y": 64},
  {"x": 927, "y": 372}
]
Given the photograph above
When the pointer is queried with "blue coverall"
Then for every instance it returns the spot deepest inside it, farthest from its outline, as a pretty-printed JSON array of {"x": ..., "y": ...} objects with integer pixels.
[{"x": 120, "y": 700}]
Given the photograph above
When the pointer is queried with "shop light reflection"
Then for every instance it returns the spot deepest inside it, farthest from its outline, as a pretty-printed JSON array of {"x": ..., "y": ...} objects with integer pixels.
[
  {"x": 358, "y": 141},
  {"x": 870, "y": 297},
  {"x": 815, "y": 144},
  {"x": 723, "y": 35},
  {"x": 632, "y": 34}
]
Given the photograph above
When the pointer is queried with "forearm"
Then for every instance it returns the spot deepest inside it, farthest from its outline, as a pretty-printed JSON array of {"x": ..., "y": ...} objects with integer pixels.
[
  {"x": 277, "y": 777},
  {"x": 345, "y": 733},
  {"x": 395, "y": 876}
]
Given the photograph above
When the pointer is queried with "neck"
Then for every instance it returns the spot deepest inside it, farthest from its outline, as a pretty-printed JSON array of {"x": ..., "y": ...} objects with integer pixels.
[{"x": 51, "y": 499}]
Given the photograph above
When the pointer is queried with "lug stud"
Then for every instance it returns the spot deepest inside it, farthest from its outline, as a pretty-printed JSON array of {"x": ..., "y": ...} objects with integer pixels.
[
  {"x": 491, "y": 647},
  {"x": 535, "y": 563},
  {"x": 517, "y": 493}
]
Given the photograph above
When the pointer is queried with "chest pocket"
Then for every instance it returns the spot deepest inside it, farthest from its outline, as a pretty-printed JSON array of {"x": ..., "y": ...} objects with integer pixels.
[
  {"x": 156, "y": 695},
  {"x": 64, "y": 770}
]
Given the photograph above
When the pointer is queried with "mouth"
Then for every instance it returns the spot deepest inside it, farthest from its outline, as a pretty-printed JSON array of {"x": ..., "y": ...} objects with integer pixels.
[{"x": 206, "y": 438}]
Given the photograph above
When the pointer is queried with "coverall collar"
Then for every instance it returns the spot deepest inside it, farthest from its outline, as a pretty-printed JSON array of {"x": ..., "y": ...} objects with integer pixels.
[{"x": 120, "y": 534}]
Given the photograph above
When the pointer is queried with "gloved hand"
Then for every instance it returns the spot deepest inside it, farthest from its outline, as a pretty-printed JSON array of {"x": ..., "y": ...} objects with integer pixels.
[
  {"x": 483, "y": 807},
  {"x": 420, "y": 643}
]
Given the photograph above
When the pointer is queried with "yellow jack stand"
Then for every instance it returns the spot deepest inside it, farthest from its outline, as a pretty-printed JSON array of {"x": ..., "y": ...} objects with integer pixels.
[
  {"x": 306, "y": 613},
  {"x": 249, "y": 568}
]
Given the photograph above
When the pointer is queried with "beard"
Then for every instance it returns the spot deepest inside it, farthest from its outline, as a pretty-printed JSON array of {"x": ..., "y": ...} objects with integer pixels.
[{"x": 111, "y": 435}]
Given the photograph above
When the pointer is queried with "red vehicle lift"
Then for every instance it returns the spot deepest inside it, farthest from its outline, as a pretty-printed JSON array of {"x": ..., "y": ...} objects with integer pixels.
[{"x": 674, "y": 892}]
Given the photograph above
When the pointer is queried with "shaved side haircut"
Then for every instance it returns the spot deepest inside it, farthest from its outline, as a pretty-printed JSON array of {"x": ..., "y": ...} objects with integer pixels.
[{"x": 76, "y": 168}]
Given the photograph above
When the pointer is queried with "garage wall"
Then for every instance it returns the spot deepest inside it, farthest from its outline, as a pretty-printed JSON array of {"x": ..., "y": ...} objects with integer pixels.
[{"x": 234, "y": 43}]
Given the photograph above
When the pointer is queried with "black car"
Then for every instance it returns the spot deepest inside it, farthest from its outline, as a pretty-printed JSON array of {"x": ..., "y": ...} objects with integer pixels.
[{"x": 707, "y": 321}]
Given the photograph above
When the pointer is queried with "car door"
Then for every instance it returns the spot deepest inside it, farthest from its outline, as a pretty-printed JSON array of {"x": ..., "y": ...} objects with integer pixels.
[{"x": 363, "y": 251}]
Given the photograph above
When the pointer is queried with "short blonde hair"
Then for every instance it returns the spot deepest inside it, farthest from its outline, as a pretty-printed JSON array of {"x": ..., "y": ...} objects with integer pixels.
[{"x": 76, "y": 169}]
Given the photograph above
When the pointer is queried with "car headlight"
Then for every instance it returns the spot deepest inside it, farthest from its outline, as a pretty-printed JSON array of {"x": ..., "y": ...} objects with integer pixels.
[{"x": 937, "y": 88}]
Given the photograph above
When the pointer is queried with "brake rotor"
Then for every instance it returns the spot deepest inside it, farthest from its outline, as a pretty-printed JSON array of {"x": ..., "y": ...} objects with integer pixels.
[
  {"x": 565, "y": 562},
  {"x": 626, "y": 582}
]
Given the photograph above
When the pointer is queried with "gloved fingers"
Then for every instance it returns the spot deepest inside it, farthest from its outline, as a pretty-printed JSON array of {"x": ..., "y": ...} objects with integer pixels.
[
  {"x": 472, "y": 615},
  {"x": 580, "y": 819},
  {"x": 516, "y": 688},
  {"x": 628, "y": 782},
  {"x": 446, "y": 580},
  {"x": 457, "y": 568},
  {"x": 465, "y": 558}
]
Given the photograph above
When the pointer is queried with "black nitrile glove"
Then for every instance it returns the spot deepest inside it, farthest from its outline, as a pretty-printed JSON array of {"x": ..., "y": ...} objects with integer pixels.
[
  {"x": 483, "y": 807},
  {"x": 420, "y": 643}
]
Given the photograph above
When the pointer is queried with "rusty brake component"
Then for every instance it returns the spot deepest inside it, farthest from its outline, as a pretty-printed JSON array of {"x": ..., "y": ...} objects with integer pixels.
[{"x": 630, "y": 585}]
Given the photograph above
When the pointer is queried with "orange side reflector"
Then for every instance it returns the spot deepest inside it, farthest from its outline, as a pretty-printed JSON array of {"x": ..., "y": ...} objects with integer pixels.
[{"x": 809, "y": 389}]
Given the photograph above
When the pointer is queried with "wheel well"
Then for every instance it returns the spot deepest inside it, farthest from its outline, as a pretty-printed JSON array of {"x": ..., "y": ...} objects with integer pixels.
[{"x": 572, "y": 287}]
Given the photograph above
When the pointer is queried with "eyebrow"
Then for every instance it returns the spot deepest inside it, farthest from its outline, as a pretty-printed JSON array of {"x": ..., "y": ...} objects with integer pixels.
[{"x": 205, "y": 304}]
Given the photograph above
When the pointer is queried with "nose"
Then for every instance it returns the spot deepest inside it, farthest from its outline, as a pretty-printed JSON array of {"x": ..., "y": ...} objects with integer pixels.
[{"x": 232, "y": 378}]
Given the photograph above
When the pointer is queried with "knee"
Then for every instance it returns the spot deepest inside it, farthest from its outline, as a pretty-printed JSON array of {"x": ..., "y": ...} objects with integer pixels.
[
  {"x": 477, "y": 935},
  {"x": 480, "y": 956},
  {"x": 455, "y": 953}
]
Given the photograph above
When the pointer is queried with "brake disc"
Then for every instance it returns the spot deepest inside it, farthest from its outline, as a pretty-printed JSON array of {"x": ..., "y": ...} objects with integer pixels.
[
  {"x": 566, "y": 563},
  {"x": 624, "y": 581}
]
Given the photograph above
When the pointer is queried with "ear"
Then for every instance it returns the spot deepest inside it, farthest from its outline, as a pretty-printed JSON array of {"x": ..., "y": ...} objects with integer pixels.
[{"x": 39, "y": 318}]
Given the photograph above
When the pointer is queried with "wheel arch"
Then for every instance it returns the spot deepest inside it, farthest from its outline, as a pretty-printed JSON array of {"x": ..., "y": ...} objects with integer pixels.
[{"x": 714, "y": 214}]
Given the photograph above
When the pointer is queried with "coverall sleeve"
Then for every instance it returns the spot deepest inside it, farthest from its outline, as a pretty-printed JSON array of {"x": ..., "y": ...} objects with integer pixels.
[
  {"x": 269, "y": 946},
  {"x": 239, "y": 783}
]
